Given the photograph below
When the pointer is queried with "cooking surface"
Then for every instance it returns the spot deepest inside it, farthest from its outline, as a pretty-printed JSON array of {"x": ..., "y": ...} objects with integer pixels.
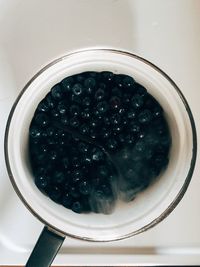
[{"x": 165, "y": 32}]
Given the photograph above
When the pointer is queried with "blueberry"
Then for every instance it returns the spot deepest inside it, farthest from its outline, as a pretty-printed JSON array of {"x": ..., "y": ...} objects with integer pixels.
[
  {"x": 75, "y": 162},
  {"x": 65, "y": 162},
  {"x": 145, "y": 116},
  {"x": 105, "y": 133},
  {"x": 100, "y": 95},
  {"x": 89, "y": 84},
  {"x": 106, "y": 121},
  {"x": 80, "y": 78},
  {"x": 118, "y": 80},
  {"x": 130, "y": 139},
  {"x": 93, "y": 133},
  {"x": 141, "y": 90},
  {"x": 53, "y": 155},
  {"x": 50, "y": 101},
  {"x": 77, "y": 89},
  {"x": 56, "y": 92},
  {"x": 85, "y": 114},
  {"x": 140, "y": 146},
  {"x": 67, "y": 200},
  {"x": 35, "y": 132},
  {"x": 58, "y": 177},
  {"x": 83, "y": 147},
  {"x": 102, "y": 107},
  {"x": 121, "y": 138},
  {"x": 97, "y": 154},
  {"x": 112, "y": 144},
  {"x": 107, "y": 76},
  {"x": 67, "y": 84},
  {"x": 74, "y": 110},
  {"x": 55, "y": 193},
  {"x": 157, "y": 112},
  {"x": 137, "y": 101},
  {"x": 84, "y": 129},
  {"x": 116, "y": 92},
  {"x": 94, "y": 123},
  {"x": 77, "y": 175},
  {"x": 43, "y": 106},
  {"x": 86, "y": 159},
  {"x": 131, "y": 114},
  {"x": 84, "y": 188},
  {"x": 42, "y": 119},
  {"x": 86, "y": 102},
  {"x": 64, "y": 120},
  {"x": 102, "y": 171},
  {"x": 117, "y": 129},
  {"x": 115, "y": 119},
  {"x": 42, "y": 181},
  {"x": 62, "y": 108},
  {"x": 115, "y": 102},
  {"x": 55, "y": 113},
  {"x": 74, "y": 122},
  {"x": 128, "y": 82},
  {"x": 74, "y": 191},
  {"x": 134, "y": 127},
  {"x": 77, "y": 207},
  {"x": 126, "y": 99}
]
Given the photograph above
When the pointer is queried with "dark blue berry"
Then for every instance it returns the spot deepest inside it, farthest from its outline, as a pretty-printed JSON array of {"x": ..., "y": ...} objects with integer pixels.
[
  {"x": 62, "y": 108},
  {"x": 67, "y": 200},
  {"x": 128, "y": 82},
  {"x": 140, "y": 146},
  {"x": 84, "y": 129},
  {"x": 83, "y": 147},
  {"x": 105, "y": 133},
  {"x": 77, "y": 89},
  {"x": 42, "y": 119},
  {"x": 42, "y": 181},
  {"x": 74, "y": 191},
  {"x": 116, "y": 92},
  {"x": 134, "y": 127},
  {"x": 55, "y": 193},
  {"x": 86, "y": 102},
  {"x": 115, "y": 102},
  {"x": 145, "y": 116},
  {"x": 97, "y": 154},
  {"x": 67, "y": 84},
  {"x": 85, "y": 114},
  {"x": 65, "y": 162},
  {"x": 43, "y": 106},
  {"x": 55, "y": 113},
  {"x": 35, "y": 132},
  {"x": 107, "y": 76},
  {"x": 77, "y": 175},
  {"x": 112, "y": 144},
  {"x": 89, "y": 84},
  {"x": 102, "y": 107},
  {"x": 137, "y": 101},
  {"x": 56, "y": 92},
  {"x": 77, "y": 207},
  {"x": 76, "y": 163},
  {"x": 115, "y": 119},
  {"x": 131, "y": 114},
  {"x": 100, "y": 95},
  {"x": 58, "y": 177},
  {"x": 74, "y": 110},
  {"x": 84, "y": 188},
  {"x": 74, "y": 122}
]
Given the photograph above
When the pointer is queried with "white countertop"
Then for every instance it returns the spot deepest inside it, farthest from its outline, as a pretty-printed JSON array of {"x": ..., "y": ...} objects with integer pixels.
[{"x": 167, "y": 32}]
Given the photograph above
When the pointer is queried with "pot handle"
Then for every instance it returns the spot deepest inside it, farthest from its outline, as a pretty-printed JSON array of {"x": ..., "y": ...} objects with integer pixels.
[{"x": 46, "y": 248}]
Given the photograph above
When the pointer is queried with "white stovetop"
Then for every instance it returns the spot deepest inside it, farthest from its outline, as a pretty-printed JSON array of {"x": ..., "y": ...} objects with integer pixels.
[{"x": 166, "y": 32}]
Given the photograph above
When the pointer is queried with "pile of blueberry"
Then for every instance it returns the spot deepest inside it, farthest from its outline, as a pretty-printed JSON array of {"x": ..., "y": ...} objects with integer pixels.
[{"x": 97, "y": 137}]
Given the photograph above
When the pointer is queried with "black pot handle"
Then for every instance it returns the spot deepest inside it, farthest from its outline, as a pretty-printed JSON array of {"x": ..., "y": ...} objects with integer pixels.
[{"x": 46, "y": 248}]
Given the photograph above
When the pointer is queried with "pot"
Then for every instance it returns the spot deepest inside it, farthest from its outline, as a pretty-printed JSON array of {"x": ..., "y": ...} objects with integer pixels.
[{"x": 128, "y": 219}]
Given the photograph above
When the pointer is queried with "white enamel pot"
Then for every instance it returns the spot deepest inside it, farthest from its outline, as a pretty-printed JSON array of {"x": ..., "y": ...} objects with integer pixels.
[{"x": 128, "y": 219}]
